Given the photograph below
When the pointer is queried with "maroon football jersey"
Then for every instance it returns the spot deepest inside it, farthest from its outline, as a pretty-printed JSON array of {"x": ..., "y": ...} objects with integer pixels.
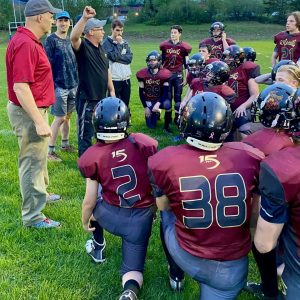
[
  {"x": 174, "y": 55},
  {"x": 189, "y": 78},
  {"x": 153, "y": 83},
  {"x": 217, "y": 48},
  {"x": 269, "y": 140},
  {"x": 210, "y": 194},
  {"x": 223, "y": 90},
  {"x": 210, "y": 60},
  {"x": 287, "y": 45},
  {"x": 121, "y": 169},
  {"x": 283, "y": 173},
  {"x": 238, "y": 81}
]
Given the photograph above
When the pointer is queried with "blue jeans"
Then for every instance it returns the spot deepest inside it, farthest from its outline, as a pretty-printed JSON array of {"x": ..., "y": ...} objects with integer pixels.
[
  {"x": 217, "y": 279},
  {"x": 292, "y": 284}
]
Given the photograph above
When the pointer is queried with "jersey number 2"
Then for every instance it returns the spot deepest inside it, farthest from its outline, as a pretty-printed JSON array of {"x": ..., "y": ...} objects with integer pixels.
[{"x": 130, "y": 185}]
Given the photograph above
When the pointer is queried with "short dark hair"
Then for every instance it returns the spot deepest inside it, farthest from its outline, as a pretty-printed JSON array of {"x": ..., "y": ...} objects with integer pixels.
[
  {"x": 178, "y": 27},
  {"x": 207, "y": 46},
  {"x": 116, "y": 23}
]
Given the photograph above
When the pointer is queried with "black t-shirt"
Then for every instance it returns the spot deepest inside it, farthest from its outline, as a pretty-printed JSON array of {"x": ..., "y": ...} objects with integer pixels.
[{"x": 93, "y": 71}]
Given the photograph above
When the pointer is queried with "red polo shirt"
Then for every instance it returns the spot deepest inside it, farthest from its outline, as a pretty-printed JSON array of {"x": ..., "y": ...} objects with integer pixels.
[{"x": 27, "y": 62}]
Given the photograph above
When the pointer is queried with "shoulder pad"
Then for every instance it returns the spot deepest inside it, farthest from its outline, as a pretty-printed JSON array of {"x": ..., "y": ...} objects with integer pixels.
[
  {"x": 254, "y": 152},
  {"x": 164, "y": 74},
  {"x": 249, "y": 65},
  {"x": 163, "y": 44},
  {"x": 141, "y": 74},
  {"x": 187, "y": 47}
]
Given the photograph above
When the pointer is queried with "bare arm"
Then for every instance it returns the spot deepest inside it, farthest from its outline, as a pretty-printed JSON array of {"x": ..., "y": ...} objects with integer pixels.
[
  {"x": 264, "y": 79},
  {"x": 27, "y": 102},
  {"x": 224, "y": 41},
  {"x": 77, "y": 31},
  {"x": 89, "y": 203},
  {"x": 110, "y": 85},
  {"x": 163, "y": 203},
  {"x": 266, "y": 235},
  {"x": 254, "y": 92}
]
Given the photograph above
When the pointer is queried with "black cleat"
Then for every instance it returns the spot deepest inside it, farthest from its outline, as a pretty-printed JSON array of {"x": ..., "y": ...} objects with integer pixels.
[{"x": 128, "y": 295}]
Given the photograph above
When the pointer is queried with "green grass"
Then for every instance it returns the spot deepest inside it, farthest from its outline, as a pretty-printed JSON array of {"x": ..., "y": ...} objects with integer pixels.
[{"x": 53, "y": 264}]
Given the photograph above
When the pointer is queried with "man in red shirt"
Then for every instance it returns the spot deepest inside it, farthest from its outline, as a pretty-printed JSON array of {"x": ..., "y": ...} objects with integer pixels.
[{"x": 30, "y": 93}]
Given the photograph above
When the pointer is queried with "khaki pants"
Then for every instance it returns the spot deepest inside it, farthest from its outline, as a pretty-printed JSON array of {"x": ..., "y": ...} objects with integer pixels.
[{"x": 33, "y": 173}]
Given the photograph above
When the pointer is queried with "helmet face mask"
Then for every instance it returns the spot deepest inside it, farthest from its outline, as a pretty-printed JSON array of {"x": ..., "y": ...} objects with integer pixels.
[
  {"x": 216, "y": 73},
  {"x": 250, "y": 54},
  {"x": 195, "y": 64},
  {"x": 153, "y": 61},
  {"x": 206, "y": 121},
  {"x": 216, "y": 30},
  {"x": 111, "y": 119},
  {"x": 233, "y": 56}
]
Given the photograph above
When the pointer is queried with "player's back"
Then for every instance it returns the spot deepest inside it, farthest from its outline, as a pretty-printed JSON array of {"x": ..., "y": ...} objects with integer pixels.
[
  {"x": 280, "y": 176},
  {"x": 121, "y": 169},
  {"x": 210, "y": 194},
  {"x": 269, "y": 140}
]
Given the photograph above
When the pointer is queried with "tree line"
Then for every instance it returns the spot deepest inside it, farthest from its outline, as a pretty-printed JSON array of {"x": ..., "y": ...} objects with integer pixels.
[{"x": 172, "y": 11}]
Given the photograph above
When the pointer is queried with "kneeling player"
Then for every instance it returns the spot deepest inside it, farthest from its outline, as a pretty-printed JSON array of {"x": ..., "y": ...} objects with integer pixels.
[
  {"x": 206, "y": 199},
  {"x": 153, "y": 90},
  {"x": 118, "y": 161}
]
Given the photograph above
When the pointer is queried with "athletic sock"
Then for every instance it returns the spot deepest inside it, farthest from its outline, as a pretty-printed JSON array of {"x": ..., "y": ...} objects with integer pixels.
[
  {"x": 98, "y": 232},
  {"x": 51, "y": 149},
  {"x": 266, "y": 263},
  {"x": 132, "y": 285},
  {"x": 65, "y": 143}
]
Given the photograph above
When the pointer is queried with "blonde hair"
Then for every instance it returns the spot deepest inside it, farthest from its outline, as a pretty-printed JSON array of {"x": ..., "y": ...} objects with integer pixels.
[{"x": 293, "y": 71}]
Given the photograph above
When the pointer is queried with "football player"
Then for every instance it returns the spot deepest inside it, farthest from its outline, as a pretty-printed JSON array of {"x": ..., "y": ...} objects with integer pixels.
[
  {"x": 279, "y": 220},
  {"x": 242, "y": 81},
  {"x": 174, "y": 58},
  {"x": 153, "y": 90},
  {"x": 205, "y": 50},
  {"x": 218, "y": 40},
  {"x": 279, "y": 111},
  {"x": 206, "y": 199},
  {"x": 288, "y": 42},
  {"x": 195, "y": 66},
  {"x": 118, "y": 161},
  {"x": 214, "y": 77},
  {"x": 250, "y": 54}
]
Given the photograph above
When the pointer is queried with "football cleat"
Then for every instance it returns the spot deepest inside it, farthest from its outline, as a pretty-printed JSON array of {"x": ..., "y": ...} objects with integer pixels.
[
  {"x": 256, "y": 290},
  {"x": 128, "y": 295},
  {"x": 95, "y": 250},
  {"x": 176, "y": 284}
]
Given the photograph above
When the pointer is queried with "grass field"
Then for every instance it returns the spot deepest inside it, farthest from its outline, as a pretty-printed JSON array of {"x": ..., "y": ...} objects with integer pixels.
[{"x": 52, "y": 264}]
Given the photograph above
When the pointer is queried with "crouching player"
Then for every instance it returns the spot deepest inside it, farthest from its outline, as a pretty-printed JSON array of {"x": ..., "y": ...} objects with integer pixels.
[
  {"x": 118, "y": 161},
  {"x": 206, "y": 199},
  {"x": 280, "y": 220},
  {"x": 153, "y": 90}
]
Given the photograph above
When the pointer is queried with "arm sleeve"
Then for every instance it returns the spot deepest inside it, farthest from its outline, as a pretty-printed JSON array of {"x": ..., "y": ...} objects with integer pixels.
[
  {"x": 274, "y": 208},
  {"x": 142, "y": 97}
]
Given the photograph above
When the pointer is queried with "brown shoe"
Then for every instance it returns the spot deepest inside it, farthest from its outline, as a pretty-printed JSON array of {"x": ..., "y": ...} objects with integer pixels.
[
  {"x": 54, "y": 157},
  {"x": 68, "y": 148}
]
